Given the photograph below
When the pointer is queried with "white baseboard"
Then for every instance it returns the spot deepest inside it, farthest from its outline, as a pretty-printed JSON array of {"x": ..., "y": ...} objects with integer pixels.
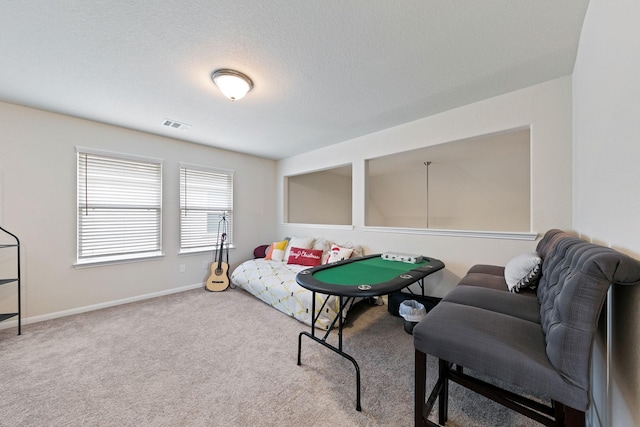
[{"x": 13, "y": 323}]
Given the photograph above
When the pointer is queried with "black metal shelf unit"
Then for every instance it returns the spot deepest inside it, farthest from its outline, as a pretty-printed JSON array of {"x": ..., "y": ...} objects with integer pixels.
[{"x": 16, "y": 245}]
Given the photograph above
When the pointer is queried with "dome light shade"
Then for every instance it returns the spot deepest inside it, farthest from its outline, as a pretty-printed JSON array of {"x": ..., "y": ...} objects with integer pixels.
[{"x": 233, "y": 84}]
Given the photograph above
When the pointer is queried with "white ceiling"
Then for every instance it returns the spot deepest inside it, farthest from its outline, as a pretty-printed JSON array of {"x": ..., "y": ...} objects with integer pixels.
[{"x": 324, "y": 71}]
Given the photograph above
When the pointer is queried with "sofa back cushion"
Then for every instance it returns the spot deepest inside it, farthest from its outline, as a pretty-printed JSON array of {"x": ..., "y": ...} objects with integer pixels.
[{"x": 575, "y": 278}]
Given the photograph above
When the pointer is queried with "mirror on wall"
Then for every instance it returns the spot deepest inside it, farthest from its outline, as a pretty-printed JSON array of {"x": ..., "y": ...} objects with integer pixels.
[
  {"x": 320, "y": 197},
  {"x": 480, "y": 183}
]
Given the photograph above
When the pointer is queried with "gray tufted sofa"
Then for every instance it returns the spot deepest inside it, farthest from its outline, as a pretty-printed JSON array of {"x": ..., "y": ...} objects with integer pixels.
[{"x": 539, "y": 347}]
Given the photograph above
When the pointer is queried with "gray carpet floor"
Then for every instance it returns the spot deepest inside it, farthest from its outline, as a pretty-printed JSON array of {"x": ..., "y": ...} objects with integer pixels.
[{"x": 215, "y": 359}]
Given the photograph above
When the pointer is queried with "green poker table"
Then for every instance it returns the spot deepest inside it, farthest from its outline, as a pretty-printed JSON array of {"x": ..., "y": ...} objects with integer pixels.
[
  {"x": 350, "y": 279},
  {"x": 366, "y": 276}
]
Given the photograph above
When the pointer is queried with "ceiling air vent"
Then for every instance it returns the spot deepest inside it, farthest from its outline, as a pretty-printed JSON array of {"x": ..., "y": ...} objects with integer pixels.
[{"x": 175, "y": 125}]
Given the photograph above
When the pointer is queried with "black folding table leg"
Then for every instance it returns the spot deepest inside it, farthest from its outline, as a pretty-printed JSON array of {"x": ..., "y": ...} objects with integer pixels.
[{"x": 323, "y": 341}]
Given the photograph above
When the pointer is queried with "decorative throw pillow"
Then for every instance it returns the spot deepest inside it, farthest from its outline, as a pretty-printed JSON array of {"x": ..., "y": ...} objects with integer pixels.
[
  {"x": 523, "y": 271},
  {"x": 276, "y": 251},
  {"x": 261, "y": 251},
  {"x": 338, "y": 253},
  {"x": 298, "y": 242},
  {"x": 357, "y": 250},
  {"x": 308, "y": 257}
]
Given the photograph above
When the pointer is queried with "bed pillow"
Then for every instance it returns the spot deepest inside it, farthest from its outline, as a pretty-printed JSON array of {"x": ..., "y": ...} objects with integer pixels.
[
  {"x": 338, "y": 253},
  {"x": 523, "y": 271},
  {"x": 324, "y": 245},
  {"x": 298, "y": 242},
  {"x": 308, "y": 257},
  {"x": 276, "y": 251}
]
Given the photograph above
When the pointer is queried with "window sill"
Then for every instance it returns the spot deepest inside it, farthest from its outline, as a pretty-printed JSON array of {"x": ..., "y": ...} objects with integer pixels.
[
  {"x": 509, "y": 235},
  {"x": 324, "y": 226},
  {"x": 111, "y": 260},
  {"x": 199, "y": 251}
]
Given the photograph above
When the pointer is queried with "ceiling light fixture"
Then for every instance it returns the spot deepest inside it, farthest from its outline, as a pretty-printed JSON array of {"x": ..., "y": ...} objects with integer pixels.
[{"x": 233, "y": 84}]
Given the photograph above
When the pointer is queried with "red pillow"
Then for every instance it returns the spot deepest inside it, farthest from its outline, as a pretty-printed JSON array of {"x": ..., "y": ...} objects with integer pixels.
[{"x": 308, "y": 257}]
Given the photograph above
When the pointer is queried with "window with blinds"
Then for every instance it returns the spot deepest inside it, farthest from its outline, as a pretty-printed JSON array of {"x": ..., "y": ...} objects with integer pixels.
[
  {"x": 206, "y": 196},
  {"x": 119, "y": 207}
]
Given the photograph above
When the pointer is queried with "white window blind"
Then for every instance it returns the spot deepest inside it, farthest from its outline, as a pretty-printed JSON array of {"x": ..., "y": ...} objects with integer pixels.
[
  {"x": 119, "y": 207},
  {"x": 206, "y": 195}
]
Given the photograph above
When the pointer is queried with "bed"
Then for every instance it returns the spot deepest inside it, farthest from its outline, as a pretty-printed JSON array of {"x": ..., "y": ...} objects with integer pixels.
[{"x": 272, "y": 278}]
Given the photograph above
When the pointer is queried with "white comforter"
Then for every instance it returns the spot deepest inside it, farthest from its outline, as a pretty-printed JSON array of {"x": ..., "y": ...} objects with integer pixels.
[{"x": 274, "y": 282}]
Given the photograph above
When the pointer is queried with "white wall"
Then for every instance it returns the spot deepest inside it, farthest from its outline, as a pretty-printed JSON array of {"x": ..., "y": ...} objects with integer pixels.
[
  {"x": 606, "y": 203},
  {"x": 38, "y": 203},
  {"x": 545, "y": 107}
]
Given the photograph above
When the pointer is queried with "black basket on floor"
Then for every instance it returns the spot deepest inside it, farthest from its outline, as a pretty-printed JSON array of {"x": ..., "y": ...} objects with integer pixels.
[{"x": 396, "y": 298}]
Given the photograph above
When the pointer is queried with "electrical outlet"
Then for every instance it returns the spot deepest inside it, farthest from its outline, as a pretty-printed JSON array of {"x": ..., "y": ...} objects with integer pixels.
[{"x": 183, "y": 268}]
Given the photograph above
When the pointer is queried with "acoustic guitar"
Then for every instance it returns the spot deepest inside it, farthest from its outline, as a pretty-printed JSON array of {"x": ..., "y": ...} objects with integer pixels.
[{"x": 219, "y": 278}]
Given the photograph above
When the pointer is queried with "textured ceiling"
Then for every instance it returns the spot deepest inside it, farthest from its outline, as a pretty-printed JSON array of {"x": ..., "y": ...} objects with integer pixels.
[{"x": 324, "y": 70}]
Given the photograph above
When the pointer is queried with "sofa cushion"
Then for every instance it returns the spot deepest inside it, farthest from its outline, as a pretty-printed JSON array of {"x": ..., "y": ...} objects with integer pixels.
[
  {"x": 503, "y": 347},
  {"x": 497, "y": 301}
]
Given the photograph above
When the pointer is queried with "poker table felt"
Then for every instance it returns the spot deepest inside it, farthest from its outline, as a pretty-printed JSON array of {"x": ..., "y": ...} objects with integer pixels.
[{"x": 366, "y": 276}]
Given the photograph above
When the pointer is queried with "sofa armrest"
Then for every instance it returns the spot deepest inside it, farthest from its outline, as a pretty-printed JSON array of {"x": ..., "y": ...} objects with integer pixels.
[
  {"x": 492, "y": 277},
  {"x": 485, "y": 276}
]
